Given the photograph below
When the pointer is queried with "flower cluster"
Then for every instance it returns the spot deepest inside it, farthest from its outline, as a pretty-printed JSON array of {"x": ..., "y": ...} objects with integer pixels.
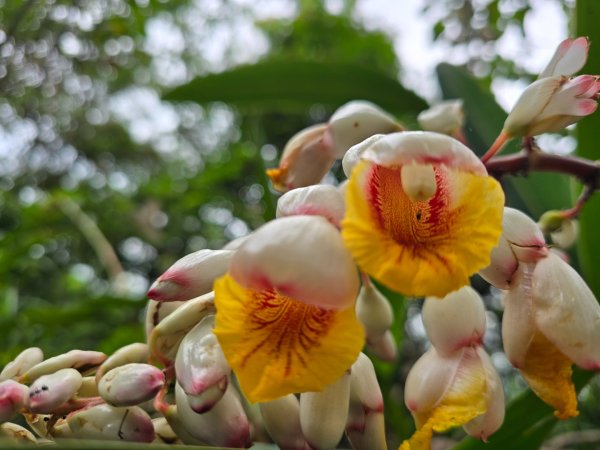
[{"x": 280, "y": 317}]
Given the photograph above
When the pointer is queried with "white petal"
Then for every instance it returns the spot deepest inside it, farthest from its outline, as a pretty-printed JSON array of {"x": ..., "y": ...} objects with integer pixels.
[
  {"x": 364, "y": 387},
  {"x": 445, "y": 117},
  {"x": 200, "y": 364},
  {"x": 569, "y": 58},
  {"x": 423, "y": 147},
  {"x": 356, "y": 121},
  {"x": 282, "y": 420},
  {"x": 524, "y": 235},
  {"x": 371, "y": 436},
  {"x": 302, "y": 257},
  {"x": 373, "y": 310},
  {"x": 566, "y": 311},
  {"x": 323, "y": 414},
  {"x": 133, "y": 353},
  {"x": 383, "y": 347},
  {"x": 105, "y": 422},
  {"x": 320, "y": 200},
  {"x": 456, "y": 321},
  {"x": 191, "y": 276},
  {"x": 517, "y": 322},
  {"x": 354, "y": 154},
  {"x": 530, "y": 105},
  {"x": 82, "y": 360},
  {"x": 502, "y": 266}
]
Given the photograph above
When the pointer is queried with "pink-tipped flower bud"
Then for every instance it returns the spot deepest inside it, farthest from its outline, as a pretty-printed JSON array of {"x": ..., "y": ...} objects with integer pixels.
[
  {"x": 133, "y": 353},
  {"x": 131, "y": 384},
  {"x": 383, "y": 347},
  {"x": 191, "y": 276},
  {"x": 224, "y": 425},
  {"x": 50, "y": 391},
  {"x": 12, "y": 433},
  {"x": 456, "y": 321},
  {"x": 569, "y": 58},
  {"x": 445, "y": 117},
  {"x": 201, "y": 368},
  {"x": 320, "y": 200},
  {"x": 305, "y": 160},
  {"x": 282, "y": 421},
  {"x": 356, "y": 121},
  {"x": 22, "y": 363},
  {"x": 13, "y": 397},
  {"x": 109, "y": 423},
  {"x": 323, "y": 415},
  {"x": 84, "y": 361}
]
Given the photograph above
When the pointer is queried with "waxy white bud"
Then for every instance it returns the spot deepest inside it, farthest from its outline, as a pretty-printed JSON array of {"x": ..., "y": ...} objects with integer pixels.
[
  {"x": 201, "y": 368},
  {"x": 383, "y": 347},
  {"x": 89, "y": 387},
  {"x": 282, "y": 420},
  {"x": 372, "y": 434},
  {"x": 13, "y": 433},
  {"x": 323, "y": 415},
  {"x": 105, "y": 422},
  {"x": 84, "y": 361},
  {"x": 191, "y": 276},
  {"x": 524, "y": 236},
  {"x": 224, "y": 425},
  {"x": 50, "y": 391},
  {"x": 22, "y": 363},
  {"x": 566, "y": 235},
  {"x": 133, "y": 353},
  {"x": 157, "y": 311},
  {"x": 164, "y": 433},
  {"x": 130, "y": 384},
  {"x": 320, "y": 200},
  {"x": 446, "y": 117},
  {"x": 569, "y": 58},
  {"x": 13, "y": 397},
  {"x": 373, "y": 310},
  {"x": 456, "y": 321},
  {"x": 356, "y": 121}
]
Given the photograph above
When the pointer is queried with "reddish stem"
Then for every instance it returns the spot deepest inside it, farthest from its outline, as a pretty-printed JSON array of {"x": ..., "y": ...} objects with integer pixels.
[{"x": 495, "y": 148}]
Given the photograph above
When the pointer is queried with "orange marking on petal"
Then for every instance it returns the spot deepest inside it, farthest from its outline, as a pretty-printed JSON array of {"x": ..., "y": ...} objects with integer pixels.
[{"x": 278, "y": 176}]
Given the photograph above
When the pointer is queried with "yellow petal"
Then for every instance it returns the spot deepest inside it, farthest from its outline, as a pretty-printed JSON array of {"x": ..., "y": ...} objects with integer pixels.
[
  {"x": 421, "y": 248},
  {"x": 277, "y": 345},
  {"x": 548, "y": 373},
  {"x": 467, "y": 398}
]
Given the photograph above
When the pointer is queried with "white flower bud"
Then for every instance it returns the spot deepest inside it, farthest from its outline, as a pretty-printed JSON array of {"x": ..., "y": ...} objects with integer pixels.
[
  {"x": 50, "y": 391},
  {"x": 446, "y": 117},
  {"x": 191, "y": 276},
  {"x": 164, "y": 433},
  {"x": 13, "y": 397},
  {"x": 418, "y": 181},
  {"x": 502, "y": 267},
  {"x": 372, "y": 434},
  {"x": 569, "y": 58},
  {"x": 130, "y": 384},
  {"x": 456, "y": 321},
  {"x": 105, "y": 422},
  {"x": 224, "y": 425},
  {"x": 88, "y": 388},
  {"x": 201, "y": 368},
  {"x": 323, "y": 415},
  {"x": 383, "y": 347},
  {"x": 373, "y": 310},
  {"x": 157, "y": 311},
  {"x": 13, "y": 433},
  {"x": 365, "y": 394},
  {"x": 356, "y": 121},
  {"x": 84, "y": 361},
  {"x": 319, "y": 200},
  {"x": 133, "y": 353},
  {"x": 566, "y": 235},
  {"x": 282, "y": 420},
  {"x": 22, "y": 363}
]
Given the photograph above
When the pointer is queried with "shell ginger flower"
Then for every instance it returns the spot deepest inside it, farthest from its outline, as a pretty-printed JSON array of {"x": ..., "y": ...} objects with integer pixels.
[
  {"x": 422, "y": 215},
  {"x": 285, "y": 309}
]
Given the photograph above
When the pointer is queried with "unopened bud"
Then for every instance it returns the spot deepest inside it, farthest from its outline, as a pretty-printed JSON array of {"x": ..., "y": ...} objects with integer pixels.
[
  {"x": 156, "y": 312},
  {"x": 551, "y": 221},
  {"x": 523, "y": 235},
  {"x": 89, "y": 388},
  {"x": 191, "y": 276},
  {"x": 13, "y": 397},
  {"x": 418, "y": 181},
  {"x": 323, "y": 415},
  {"x": 372, "y": 434},
  {"x": 130, "y": 384},
  {"x": 282, "y": 420},
  {"x": 567, "y": 234},
  {"x": 133, "y": 353},
  {"x": 373, "y": 310},
  {"x": 502, "y": 267},
  {"x": 446, "y": 117},
  {"x": 14, "y": 433},
  {"x": 22, "y": 363},
  {"x": 105, "y": 422},
  {"x": 383, "y": 347},
  {"x": 50, "y": 391},
  {"x": 224, "y": 425},
  {"x": 164, "y": 433},
  {"x": 356, "y": 121},
  {"x": 84, "y": 361},
  {"x": 456, "y": 321}
]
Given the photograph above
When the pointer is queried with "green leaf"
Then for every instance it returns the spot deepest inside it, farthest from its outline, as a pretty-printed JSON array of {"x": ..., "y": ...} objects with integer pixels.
[
  {"x": 587, "y": 19},
  {"x": 537, "y": 193},
  {"x": 296, "y": 85}
]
